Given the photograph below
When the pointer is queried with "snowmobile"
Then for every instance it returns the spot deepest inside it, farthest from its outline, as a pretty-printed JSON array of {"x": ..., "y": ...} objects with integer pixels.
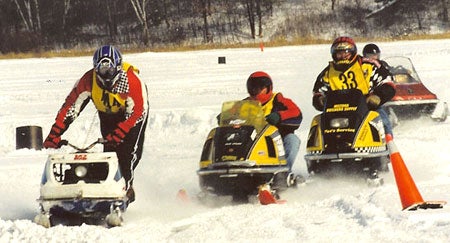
[
  {"x": 347, "y": 139},
  {"x": 82, "y": 187},
  {"x": 243, "y": 153},
  {"x": 412, "y": 99}
]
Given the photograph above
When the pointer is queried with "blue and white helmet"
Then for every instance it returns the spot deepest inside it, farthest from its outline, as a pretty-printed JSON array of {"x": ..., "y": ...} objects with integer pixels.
[{"x": 107, "y": 65}]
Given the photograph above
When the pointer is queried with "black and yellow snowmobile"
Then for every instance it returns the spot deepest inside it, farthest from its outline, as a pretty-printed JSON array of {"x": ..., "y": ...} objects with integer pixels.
[
  {"x": 347, "y": 138},
  {"x": 243, "y": 153}
]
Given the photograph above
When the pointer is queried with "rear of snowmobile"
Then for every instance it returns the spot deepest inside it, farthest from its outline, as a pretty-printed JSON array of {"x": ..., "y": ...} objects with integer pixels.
[
  {"x": 412, "y": 99},
  {"x": 82, "y": 187},
  {"x": 243, "y": 153},
  {"x": 347, "y": 139}
]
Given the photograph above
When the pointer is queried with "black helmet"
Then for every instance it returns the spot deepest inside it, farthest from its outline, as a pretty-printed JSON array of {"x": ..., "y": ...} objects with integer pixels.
[
  {"x": 256, "y": 83},
  {"x": 371, "y": 49}
]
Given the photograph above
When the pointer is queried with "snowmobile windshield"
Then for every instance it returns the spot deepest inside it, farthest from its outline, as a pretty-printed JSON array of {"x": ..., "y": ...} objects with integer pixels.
[
  {"x": 242, "y": 112},
  {"x": 402, "y": 69}
]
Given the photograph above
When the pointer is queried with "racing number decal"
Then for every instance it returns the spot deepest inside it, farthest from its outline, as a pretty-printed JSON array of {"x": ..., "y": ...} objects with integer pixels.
[{"x": 348, "y": 80}]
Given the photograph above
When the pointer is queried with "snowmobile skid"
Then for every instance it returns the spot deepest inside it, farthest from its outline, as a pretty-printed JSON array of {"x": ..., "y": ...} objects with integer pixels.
[
  {"x": 81, "y": 188},
  {"x": 243, "y": 153},
  {"x": 347, "y": 139},
  {"x": 412, "y": 99}
]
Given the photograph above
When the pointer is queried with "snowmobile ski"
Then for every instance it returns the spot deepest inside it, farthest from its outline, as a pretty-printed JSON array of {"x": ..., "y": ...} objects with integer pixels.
[{"x": 266, "y": 196}]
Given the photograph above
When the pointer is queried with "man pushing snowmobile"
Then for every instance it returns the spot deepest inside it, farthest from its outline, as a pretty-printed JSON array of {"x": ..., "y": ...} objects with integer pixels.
[
  {"x": 122, "y": 103},
  {"x": 348, "y": 92}
]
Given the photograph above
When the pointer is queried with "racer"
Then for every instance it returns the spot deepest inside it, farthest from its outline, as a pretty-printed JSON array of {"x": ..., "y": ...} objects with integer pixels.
[
  {"x": 348, "y": 70},
  {"x": 279, "y": 111},
  {"x": 372, "y": 53},
  {"x": 120, "y": 98}
]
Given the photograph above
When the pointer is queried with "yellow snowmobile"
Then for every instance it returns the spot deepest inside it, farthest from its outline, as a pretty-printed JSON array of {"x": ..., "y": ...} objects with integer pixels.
[
  {"x": 347, "y": 138},
  {"x": 243, "y": 153}
]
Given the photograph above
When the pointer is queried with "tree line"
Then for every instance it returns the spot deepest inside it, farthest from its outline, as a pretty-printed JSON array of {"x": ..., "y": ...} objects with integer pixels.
[
  {"x": 47, "y": 24},
  {"x": 39, "y": 25}
]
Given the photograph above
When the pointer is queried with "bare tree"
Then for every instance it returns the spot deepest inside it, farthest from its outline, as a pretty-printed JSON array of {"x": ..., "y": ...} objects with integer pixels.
[
  {"x": 29, "y": 13},
  {"x": 141, "y": 13},
  {"x": 333, "y": 4},
  {"x": 250, "y": 7},
  {"x": 444, "y": 11},
  {"x": 204, "y": 8}
]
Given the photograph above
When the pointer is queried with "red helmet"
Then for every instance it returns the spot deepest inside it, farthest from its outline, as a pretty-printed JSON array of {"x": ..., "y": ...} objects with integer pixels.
[
  {"x": 343, "y": 44},
  {"x": 257, "y": 82}
]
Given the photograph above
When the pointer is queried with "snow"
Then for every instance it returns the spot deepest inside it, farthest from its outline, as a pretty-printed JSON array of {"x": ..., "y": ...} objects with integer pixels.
[{"x": 186, "y": 91}]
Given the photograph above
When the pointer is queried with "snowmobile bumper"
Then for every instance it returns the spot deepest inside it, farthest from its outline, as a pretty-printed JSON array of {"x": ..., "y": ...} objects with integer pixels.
[
  {"x": 338, "y": 157},
  {"x": 240, "y": 167},
  {"x": 222, "y": 180},
  {"x": 83, "y": 206},
  {"x": 412, "y": 102}
]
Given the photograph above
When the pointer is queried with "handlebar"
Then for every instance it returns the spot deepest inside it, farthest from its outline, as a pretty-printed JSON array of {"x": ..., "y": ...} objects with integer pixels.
[{"x": 85, "y": 149}]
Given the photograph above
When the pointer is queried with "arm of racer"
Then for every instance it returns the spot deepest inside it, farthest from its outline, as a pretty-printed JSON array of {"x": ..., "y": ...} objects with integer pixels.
[
  {"x": 291, "y": 109},
  {"x": 136, "y": 108},
  {"x": 383, "y": 86},
  {"x": 319, "y": 91},
  {"x": 75, "y": 102}
]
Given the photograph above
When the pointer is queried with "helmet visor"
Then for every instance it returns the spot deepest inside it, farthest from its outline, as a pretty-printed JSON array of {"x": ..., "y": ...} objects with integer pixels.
[
  {"x": 343, "y": 55},
  {"x": 106, "y": 68},
  {"x": 256, "y": 85},
  {"x": 372, "y": 55}
]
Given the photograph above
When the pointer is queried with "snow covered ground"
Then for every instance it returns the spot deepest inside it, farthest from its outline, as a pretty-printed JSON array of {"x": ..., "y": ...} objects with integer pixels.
[{"x": 186, "y": 91}]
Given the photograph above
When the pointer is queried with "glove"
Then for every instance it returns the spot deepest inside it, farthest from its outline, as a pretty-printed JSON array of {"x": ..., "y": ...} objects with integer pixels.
[
  {"x": 273, "y": 118},
  {"x": 53, "y": 139},
  {"x": 116, "y": 137},
  {"x": 319, "y": 102},
  {"x": 373, "y": 101}
]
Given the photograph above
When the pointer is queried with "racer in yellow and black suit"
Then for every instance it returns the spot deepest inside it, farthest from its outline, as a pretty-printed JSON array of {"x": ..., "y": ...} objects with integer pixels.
[{"x": 351, "y": 71}]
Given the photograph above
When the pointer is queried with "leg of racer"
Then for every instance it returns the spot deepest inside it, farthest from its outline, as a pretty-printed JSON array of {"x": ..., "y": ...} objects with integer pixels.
[
  {"x": 291, "y": 146},
  {"x": 386, "y": 123}
]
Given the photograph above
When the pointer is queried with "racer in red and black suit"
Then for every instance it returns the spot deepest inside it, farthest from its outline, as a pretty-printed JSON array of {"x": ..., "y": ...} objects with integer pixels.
[
  {"x": 122, "y": 103},
  {"x": 278, "y": 110}
]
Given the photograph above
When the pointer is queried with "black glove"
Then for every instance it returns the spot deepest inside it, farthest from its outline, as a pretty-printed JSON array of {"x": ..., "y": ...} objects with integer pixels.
[
  {"x": 319, "y": 102},
  {"x": 273, "y": 118}
]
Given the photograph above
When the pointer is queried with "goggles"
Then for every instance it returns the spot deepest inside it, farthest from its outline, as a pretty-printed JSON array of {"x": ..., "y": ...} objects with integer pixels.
[{"x": 106, "y": 68}]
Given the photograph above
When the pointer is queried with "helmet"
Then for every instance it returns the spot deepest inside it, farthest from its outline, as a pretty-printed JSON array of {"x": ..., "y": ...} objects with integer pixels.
[
  {"x": 343, "y": 44},
  {"x": 257, "y": 82},
  {"x": 371, "y": 49},
  {"x": 107, "y": 65}
]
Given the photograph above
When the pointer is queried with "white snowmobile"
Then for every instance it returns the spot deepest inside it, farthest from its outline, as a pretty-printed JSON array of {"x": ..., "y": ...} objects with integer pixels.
[{"x": 81, "y": 188}]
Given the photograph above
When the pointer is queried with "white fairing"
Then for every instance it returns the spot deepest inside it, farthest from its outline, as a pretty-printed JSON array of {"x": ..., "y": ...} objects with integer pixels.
[{"x": 53, "y": 189}]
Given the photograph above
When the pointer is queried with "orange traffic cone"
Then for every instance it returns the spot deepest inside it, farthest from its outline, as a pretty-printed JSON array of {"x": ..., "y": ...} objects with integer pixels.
[
  {"x": 261, "y": 46},
  {"x": 182, "y": 196},
  {"x": 409, "y": 194}
]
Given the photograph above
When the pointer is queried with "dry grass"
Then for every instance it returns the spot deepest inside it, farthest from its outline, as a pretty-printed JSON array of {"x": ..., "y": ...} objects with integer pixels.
[{"x": 190, "y": 47}]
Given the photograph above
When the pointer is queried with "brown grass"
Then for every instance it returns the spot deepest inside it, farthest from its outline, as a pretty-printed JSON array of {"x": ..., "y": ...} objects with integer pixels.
[{"x": 189, "y": 47}]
